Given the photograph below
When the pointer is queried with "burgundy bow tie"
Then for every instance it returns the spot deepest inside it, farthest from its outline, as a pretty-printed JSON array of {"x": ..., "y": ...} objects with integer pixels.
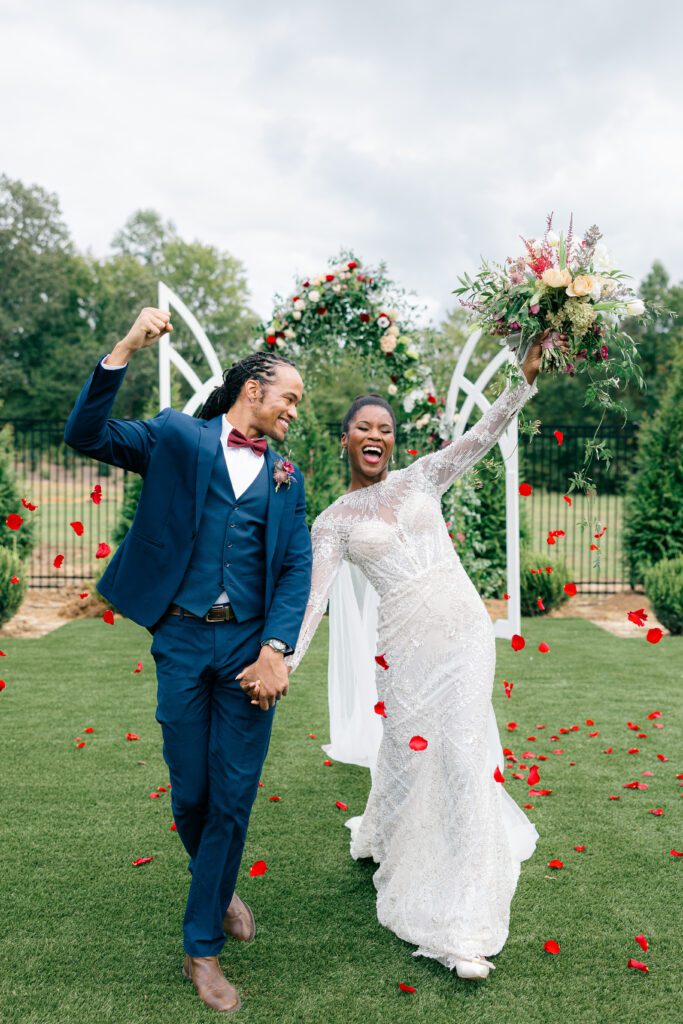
[{"x": 236, "y": 439}]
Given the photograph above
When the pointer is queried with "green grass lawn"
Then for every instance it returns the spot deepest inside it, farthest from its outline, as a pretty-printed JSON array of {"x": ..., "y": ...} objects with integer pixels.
[
  {"x": 546, "y": 511},
  {"x": 87, "y": 938}
]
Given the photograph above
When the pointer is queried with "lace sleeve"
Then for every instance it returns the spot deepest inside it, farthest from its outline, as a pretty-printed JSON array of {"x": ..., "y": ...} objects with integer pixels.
[
  {"x": 440, "y": 469},
  {"x": 327, "y": 557}
]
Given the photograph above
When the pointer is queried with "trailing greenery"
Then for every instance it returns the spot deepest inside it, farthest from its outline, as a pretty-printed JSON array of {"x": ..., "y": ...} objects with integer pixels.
[
  {"x": 653, "y": 507},
  {"x": 549, "y": 586},
  {"x": 11, "y": 594},
  {"x": 664, "y": 587}
]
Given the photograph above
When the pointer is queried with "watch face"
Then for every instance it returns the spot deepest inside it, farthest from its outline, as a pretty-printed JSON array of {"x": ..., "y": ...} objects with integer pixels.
[{"x": 277, "y": 645}]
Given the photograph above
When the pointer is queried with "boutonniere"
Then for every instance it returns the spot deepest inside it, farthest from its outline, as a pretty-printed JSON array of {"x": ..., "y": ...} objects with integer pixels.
[{"x": 283, "y": 471}]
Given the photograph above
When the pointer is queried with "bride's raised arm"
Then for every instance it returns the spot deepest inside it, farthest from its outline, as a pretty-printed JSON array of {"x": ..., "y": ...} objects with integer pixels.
[
  {"x": 327, "y": 557},
  {"x": 440, "y": 469}
]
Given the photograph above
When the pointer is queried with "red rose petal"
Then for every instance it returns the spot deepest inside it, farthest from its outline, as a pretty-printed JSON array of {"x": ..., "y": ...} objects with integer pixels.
[
  {"x": 138, "y": 668},
  {"x": 543, "y": 647},
  {"x": 540, "y": 605},
  {"x": 108, "y": 617},
  {"x": 638, "y": 617},
  {"x": 555, "y": 864},
  {"x": 655, "y": 714},
  {"x": 328, "y": 764},
  {"x": 559, "y": 436},
  {"x": 14, "y": 521},
  {"x": 29, "y": 505},
  {"x": 379, "y": 709},
  {"x": 141, "y": 860},
  {"x": 580, "y": 849},
  {"x": 525, "y": 490},
  {"x": 533, "y": 776},
  {"x": 312, "y": 736},
  {"x": 103, "y": 550},
  {"x": 498, "y": 775},
  {"x": 654, "y": 635},
  {"x": 274, "y": 799},
  {"x": 154, "y": 795},
  {"x": 173, "y": 827},
  {"x": 638, "y": 965},
  {"x": 77, "y": 528},
  {"x": 58, "y": 561},
  {"x": 570, "y": 589},
  {"x": 89, "y": 729},
  {"x": 132, "y": 736},
  {"x": 83, "y": 595},
  {"x": 661, "y": 757},
  {"x": 506, "y": 597},
  {"x": 565, "y": 497},
  {"x": 381, "y": 661},
  {"x": 676, "y": 853},
  {"x": 518, "y": 642},
  {"x": 418, "y": 743},
  {"x": 406, "y": 988},
  {"x": 552, "y": 947},
  {"x": 258, "y": 868},
  {"x": 657, "y": 811},
  {"x": 642, "y": 942},
  {"x": 341, "y": 806}
]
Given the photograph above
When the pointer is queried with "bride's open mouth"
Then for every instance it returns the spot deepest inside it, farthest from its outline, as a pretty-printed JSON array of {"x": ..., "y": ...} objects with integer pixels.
[{"x": 372, "y": 453}]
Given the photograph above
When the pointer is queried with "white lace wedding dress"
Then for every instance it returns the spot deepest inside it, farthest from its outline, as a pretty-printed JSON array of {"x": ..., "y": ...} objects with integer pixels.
[{"x": 435, "y": 820}]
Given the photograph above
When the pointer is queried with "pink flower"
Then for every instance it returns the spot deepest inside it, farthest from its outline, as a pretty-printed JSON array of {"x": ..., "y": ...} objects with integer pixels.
[{"x": 535, "y": 309}]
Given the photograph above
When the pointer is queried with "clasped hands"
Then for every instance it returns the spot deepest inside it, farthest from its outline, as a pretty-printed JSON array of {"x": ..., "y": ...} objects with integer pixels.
[{"x": 266, "y": 680}]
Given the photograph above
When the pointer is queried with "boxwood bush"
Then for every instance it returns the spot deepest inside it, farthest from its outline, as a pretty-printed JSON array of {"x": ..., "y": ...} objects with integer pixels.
[
  {"x": 549, "y": 586},
  {"x": 664, "y": 587}
]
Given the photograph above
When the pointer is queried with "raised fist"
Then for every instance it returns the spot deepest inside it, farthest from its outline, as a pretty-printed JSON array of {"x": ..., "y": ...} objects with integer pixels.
[{"x": 150, "y": 325}]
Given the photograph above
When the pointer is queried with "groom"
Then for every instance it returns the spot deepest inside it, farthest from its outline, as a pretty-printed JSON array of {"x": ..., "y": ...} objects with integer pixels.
[{"x": 217, "y": 565}]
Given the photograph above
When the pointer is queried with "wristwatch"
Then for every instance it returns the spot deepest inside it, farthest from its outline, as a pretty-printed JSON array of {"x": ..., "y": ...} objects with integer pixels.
[{"x": 277, "y": 645}]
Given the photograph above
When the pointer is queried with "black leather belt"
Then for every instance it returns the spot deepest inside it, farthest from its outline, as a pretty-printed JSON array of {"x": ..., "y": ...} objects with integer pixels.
[{"x": 216, "y": 613}]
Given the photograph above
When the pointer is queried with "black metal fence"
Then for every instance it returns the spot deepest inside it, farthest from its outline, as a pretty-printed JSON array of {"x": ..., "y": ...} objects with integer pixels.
[
  {"x": 60, "y": 482},
  {"x": 547, "y": 466}
]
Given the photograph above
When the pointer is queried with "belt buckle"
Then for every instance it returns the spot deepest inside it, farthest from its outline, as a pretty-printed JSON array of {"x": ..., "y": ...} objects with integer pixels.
[{"x": 219, "y": 614}]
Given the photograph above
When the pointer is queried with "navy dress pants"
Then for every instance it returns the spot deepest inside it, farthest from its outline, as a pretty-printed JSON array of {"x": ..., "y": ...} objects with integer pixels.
[{"x": 214, "y": 743}]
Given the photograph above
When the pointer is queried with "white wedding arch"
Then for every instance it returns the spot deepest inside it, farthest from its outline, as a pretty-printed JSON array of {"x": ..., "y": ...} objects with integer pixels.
[{"x": 473, "y": 392}]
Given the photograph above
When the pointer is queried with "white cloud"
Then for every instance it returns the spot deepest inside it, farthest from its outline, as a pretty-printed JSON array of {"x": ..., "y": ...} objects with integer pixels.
[{"x": 423, "y": 134}]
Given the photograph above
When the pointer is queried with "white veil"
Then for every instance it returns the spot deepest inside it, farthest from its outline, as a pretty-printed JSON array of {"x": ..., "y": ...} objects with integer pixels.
[{"x": 355, "y": 728}]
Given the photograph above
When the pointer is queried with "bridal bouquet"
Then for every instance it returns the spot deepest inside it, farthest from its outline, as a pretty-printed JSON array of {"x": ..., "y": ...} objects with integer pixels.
[
  {"x": 559, "y": 286},
  {"x": 562, "y": 287}
]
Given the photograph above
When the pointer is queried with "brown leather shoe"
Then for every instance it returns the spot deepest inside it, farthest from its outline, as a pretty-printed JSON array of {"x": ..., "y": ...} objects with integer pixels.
[
  {"x": 211, "y": 985},
  {"x": 239, "y": 920}
]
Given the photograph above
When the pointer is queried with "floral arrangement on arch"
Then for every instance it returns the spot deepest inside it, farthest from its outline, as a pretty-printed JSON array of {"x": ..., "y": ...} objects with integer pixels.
[{"x": 349, "y": 307}]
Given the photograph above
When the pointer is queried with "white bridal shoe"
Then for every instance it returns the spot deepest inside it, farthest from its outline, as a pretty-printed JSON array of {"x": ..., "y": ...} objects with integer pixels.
[{"x": 473, "y": 968}]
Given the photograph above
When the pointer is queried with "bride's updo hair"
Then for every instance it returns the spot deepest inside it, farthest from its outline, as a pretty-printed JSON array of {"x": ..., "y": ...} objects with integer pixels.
[{"x": 358, "y": 403}]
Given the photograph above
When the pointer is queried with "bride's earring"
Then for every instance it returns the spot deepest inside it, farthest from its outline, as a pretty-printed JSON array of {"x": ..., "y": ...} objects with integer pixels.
[
  {"x": 342, "y": 453},
  {"x": 393, "y": 458}
]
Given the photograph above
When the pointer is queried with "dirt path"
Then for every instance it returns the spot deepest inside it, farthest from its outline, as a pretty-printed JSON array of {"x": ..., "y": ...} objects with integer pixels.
[{"x": 45, "y": 610}]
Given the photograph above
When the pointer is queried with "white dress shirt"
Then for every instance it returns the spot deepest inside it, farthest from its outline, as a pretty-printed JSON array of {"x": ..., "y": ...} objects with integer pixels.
[{"x": 243, "y": 464}]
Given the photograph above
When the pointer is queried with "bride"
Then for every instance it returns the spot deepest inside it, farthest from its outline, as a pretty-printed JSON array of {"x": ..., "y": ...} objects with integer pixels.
[{"x": 447, "y": 837}]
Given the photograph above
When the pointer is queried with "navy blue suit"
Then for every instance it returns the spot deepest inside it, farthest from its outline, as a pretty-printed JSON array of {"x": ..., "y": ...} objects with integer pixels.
[{"x": 190, "y": 539}]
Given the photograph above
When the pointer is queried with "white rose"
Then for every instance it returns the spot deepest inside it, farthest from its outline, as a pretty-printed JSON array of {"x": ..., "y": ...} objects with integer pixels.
[
  {"x": 296, "y": 315},
  {"x": 601, "y": 258},
  {"x": 387, "y": 343},
  {"x": 423, "y": 421},
  {"x": 383, "y": 321},
  {"x": 636, "y": 307},
  {"x": 314, "y": 295},
  {"x": 289, "y": 333},
  {"x": 299, "y": 304},
  {"x": 336, "y": 288},
  {"x": 392, "y": 389},
  {"x": 393, "y": 330},
  {"x": 553, "y": 239},
  {"x": 411, "y": 398}
]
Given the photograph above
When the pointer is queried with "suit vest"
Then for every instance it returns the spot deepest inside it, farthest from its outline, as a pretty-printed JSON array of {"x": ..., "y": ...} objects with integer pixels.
[{"x": 229, "y": 550}]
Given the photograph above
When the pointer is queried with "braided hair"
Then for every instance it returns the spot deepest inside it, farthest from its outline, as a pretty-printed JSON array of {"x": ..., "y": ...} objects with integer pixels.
[
  {"x": 260, "y": 366},
  {"x": 362, "y": 400}
]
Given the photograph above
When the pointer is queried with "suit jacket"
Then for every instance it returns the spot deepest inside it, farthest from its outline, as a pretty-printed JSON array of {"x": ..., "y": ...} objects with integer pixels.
[{"x": 174, "y": 453}]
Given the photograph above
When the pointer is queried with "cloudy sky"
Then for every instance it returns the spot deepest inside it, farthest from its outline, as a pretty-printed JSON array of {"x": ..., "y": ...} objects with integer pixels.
[{"x": 423, "y": 133}]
